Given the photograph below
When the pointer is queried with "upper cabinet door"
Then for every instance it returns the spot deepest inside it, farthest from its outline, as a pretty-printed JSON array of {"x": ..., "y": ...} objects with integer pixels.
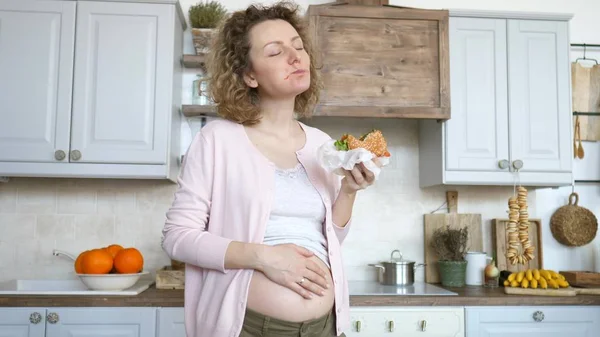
[
  {"x": 477, "y": 134},
  {"x": 539, "y": 96},
  {"x": 122, "y": 87},
  {"x": 36, "y": 74},
  {"x": 381, "y": 61}
]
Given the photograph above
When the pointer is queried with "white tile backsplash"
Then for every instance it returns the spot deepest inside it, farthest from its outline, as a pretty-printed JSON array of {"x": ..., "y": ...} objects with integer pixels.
[{"x": 37, "y": 215}]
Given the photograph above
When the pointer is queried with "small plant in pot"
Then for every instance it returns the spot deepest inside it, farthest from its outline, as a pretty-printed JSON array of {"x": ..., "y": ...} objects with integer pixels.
[
  {"x": 450, "y": 245},
  {"x": 204, "y": 18}
]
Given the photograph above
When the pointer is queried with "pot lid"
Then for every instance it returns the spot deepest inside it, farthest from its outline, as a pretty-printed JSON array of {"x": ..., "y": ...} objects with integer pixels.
[{"x": 398, "y": 259}]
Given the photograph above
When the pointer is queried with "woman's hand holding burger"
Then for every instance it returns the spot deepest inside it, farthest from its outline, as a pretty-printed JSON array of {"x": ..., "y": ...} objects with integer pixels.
[{"x": 360, "y": 177}]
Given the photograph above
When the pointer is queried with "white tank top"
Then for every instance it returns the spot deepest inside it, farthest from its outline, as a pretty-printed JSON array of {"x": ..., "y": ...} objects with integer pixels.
[{"x": 297, "y": 214}]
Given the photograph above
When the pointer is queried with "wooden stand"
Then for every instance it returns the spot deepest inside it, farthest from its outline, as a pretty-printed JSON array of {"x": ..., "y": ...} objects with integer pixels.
[{"x": 169, "y": 278}]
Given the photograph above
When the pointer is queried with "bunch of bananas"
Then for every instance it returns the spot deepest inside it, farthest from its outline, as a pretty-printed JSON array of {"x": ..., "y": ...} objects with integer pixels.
[{"x": 534, "y": 278}]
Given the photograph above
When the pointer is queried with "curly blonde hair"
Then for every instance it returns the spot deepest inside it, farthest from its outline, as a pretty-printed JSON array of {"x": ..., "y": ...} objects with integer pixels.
[{"x": 229, "y": 60}]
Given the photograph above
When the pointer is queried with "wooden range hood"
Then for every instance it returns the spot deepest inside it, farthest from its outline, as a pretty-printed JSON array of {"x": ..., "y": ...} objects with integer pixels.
[{"x": 378, "y": 60}]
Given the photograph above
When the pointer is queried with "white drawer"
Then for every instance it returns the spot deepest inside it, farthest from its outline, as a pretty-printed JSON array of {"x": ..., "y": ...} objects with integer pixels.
[
  {"x": 406, "y": 322},
  {"x": 532, "y": 321},
  {"x": 532, "y": 314}
]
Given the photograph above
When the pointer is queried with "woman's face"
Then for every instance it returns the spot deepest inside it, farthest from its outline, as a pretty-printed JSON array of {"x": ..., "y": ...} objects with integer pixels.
[{"x": 280, "y": 67}]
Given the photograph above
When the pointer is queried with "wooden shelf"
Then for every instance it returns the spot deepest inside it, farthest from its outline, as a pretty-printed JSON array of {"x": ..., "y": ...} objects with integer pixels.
[
  {"x": 193, "y": 61},
  {"x": 198, "y": 110}
]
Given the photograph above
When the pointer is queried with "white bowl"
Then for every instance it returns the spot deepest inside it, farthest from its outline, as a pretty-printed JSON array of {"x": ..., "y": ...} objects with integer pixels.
[{"x": 110, "y": 281}]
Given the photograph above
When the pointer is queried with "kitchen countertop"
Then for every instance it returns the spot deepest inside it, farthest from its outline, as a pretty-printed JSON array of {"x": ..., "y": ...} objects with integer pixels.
[{"x": 467, "y": 296}]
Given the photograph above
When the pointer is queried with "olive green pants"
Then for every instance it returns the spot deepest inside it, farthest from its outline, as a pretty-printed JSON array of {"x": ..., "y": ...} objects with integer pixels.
[{"x": 259, "y": 325}]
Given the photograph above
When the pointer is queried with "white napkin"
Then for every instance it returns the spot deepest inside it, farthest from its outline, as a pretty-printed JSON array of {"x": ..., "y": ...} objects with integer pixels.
[{"x": 336, "y": 161}]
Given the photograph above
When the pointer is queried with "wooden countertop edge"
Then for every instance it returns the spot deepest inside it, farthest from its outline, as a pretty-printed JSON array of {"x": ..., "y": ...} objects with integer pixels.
[
  {"x": 175, "y": 298},
  {"x": 462, "y": 301}
]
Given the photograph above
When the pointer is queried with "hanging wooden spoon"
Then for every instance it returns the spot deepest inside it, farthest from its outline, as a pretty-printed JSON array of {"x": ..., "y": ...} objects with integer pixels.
[
  {"x": 575, "y": 136},
  {"x": 580, "y": 152}
]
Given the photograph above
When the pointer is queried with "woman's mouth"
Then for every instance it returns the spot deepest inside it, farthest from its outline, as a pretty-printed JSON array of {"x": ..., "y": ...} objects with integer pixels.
[{"x": 297, "y": 72}]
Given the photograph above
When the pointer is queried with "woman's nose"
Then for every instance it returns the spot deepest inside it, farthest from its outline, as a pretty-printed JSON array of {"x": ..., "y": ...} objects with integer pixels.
[{"x": 293, "y": 56}]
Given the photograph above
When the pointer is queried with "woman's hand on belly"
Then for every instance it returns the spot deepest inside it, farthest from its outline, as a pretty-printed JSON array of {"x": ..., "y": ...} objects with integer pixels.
[
  {"x": 277, "y": 301},
  {"x": 290, "y": 265}
]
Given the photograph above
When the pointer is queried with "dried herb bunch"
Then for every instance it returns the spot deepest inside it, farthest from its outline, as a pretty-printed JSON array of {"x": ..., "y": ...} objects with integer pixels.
[
  {"x": 206, "y": 14},
  {"x": 450, "y": 244}
]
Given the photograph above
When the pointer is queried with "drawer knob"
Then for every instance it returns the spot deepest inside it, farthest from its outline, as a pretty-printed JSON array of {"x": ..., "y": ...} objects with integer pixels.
[
  {"x": 52, "y": 318},
  {"x": 538, "y": 316},
  {"x": 75, "y": 155},
  {"x": 518, "y": 164},
  {"x": 423, "y": 325},
  {"x": 35, "y": 318},
  {"x": 60, "y": 155}
]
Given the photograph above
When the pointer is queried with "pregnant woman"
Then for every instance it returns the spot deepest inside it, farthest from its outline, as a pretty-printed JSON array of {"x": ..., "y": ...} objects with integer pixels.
[{"x": 257, "y": 221}]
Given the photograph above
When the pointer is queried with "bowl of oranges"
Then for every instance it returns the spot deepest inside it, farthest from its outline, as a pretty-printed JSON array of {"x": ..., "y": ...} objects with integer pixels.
[{"x": 110, "y": 268}]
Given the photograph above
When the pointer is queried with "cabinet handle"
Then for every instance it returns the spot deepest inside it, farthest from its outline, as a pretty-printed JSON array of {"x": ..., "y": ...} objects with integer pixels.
[
  {"x": 60, "y": 155},
  {"x": 518, "y": 164},
  {"x": 391, "y": 326},
  {"x": 423, "y": 325},
  {"x": 358, "y": 326},
  {"x": 75, "y": 155},
  {"x": 503, "y": 164},
  {"x": 35, "y": 318},
  {"x": 52, "y": 318},
  {"x": 538, "y": 316}
]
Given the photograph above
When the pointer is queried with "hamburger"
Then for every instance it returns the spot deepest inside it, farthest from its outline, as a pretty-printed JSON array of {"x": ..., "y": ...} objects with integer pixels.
[{"x": 372, "y": 141}]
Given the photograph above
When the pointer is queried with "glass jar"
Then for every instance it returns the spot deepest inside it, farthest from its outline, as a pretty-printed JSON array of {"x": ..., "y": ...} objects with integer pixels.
[{"x": 199, "y": 94}]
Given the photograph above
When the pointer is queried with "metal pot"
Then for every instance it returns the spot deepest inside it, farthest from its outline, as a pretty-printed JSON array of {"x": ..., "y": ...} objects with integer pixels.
[{"x": 397, "y": 271}]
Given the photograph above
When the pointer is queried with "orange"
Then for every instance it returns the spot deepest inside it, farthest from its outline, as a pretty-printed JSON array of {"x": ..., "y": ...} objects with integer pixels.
[
  {"x": 78, "y": 263},
  {"x": 129, "y": 261},
  {"x": 97, "y": 261},
  {"x": 113, "y": 249}
]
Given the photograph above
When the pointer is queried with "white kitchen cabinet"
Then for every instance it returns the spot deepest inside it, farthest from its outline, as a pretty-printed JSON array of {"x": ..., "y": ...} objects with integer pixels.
[
  {"x": 170, "y": 322},
  {"x": 406, "y": 321},
  {"x": 540, "y": 99},
  {"x": 118, "y": 62},
  {"x": 22, "y": 322},
  {"x": 100, "y": 322},
  {"x": 119, "y": 68},
  {"x": 77, "y": 322},
  {"x": 529, "y": 321},
  {"x": 510, "y": 101},
  {"x": 36, "y": 74}
]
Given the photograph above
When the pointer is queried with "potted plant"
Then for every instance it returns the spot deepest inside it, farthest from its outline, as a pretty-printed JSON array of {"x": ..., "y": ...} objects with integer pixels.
[
  {"x": 204, "y": 18},
  {"x": 450, "y": 245}
]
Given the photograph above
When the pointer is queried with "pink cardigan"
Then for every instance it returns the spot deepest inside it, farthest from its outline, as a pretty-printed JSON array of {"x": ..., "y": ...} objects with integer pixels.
[{"x": 224, "y": 193}]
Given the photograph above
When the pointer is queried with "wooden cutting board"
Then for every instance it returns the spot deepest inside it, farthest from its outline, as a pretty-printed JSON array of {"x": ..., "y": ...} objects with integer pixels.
[
  {"x": 500, "y": 243},
  {"x": 587, "y": 291},
  {"x": 540, "y": 292},
  {"x": 585, "y": 83},
  {"x": 455, "y": 220},
  {"x": 570, "y": 291}
]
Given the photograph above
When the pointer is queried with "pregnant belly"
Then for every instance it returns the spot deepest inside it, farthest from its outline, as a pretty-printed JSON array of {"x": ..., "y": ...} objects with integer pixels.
[{"x": 274, "y": 300}]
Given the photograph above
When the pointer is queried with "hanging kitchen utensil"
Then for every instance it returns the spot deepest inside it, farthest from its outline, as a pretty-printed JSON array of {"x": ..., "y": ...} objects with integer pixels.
[
  {"x": 575, "y": 137},
  {"x": 396, "y": 271},
  {"x": 580, "y": 152},
  {"x": 573, "y": 225}
]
